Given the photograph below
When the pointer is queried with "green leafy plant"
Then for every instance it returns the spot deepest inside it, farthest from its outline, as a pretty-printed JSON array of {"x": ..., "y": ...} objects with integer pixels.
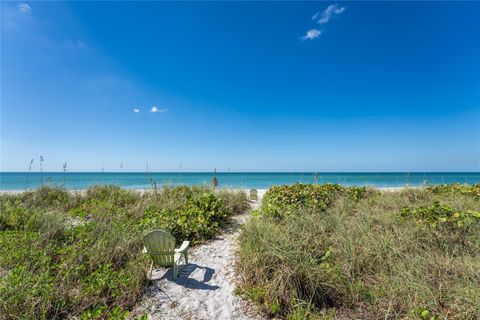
[
  {"x": 65, "y": 255},
  {"x": 333, "y": 252},
  {"x": 285, "y": 199},
  {"x": 457, "y": 188},
  {"x": 438, "y": 214}
]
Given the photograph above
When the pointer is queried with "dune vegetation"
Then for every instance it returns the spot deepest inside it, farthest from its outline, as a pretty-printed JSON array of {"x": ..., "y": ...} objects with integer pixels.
[
  {"x": 72, "y": 255},
  {"x": 328, "y": 252}
]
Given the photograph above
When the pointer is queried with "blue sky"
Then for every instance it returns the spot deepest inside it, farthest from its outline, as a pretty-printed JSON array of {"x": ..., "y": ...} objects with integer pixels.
[{"x": 250, "y": 86}]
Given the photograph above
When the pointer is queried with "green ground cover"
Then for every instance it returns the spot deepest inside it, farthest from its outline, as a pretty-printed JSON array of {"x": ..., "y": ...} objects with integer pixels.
[
  {"x": 327, "y": 252},
  {"x": 65, "y": 255}
]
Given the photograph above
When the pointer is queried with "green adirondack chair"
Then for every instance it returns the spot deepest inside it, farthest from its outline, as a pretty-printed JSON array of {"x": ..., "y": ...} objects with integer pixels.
[
  {"x": 160, "y": 246},
  {"x": 253, "y": 194}
]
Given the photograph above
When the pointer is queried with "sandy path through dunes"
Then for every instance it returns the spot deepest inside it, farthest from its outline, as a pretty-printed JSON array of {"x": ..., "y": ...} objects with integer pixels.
[{"x": 204, "y": 288}]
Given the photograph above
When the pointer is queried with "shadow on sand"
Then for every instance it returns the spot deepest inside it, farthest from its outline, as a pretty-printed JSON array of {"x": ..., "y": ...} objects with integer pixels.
[{"x": 184, "y": 277}]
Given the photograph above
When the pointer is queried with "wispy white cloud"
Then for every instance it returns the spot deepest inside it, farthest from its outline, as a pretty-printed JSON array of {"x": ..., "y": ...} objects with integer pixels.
[
  {"x": 155, "y": 109},
  {"x": 136, "y": 110},
  {"x": 312, "y": 34},
  {"x": 23, "y": 7},
  {"x": 322, "y": 17},
  {"x": 328, "y": 13}
]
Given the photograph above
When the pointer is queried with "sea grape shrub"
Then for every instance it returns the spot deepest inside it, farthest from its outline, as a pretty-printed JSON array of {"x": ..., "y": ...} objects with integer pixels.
[
  {"x": 285, "y": 199},
  {"x": 457, "y": 188},
  {"x": 202, "y": 217},
  {"x": 358, "y": 193},
  {"x": 174, "y": 197},
  {"x": 438, "y": 215},
  {"x": 197, "y": 216}
]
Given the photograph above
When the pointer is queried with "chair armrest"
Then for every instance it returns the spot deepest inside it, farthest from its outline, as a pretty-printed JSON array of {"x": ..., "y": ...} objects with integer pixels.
[{"x": 183, "y": 247}]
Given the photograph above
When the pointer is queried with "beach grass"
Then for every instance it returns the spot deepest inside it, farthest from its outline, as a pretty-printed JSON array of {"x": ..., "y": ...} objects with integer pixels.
[
  {"x": 72, "y": 255},
  {"x": 327, "y": 252}
]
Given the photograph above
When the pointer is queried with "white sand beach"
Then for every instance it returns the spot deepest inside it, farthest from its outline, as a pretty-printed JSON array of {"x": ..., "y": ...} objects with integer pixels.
[{"x": 261, "y": 192}]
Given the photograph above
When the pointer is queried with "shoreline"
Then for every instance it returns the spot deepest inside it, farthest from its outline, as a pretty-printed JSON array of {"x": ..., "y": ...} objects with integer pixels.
[{"x": 261, "y": 191}]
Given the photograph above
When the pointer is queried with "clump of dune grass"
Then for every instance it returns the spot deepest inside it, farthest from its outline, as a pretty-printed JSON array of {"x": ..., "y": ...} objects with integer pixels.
[
  {"x": 236, "y": 202},
  {"x": 383, "y": 256},
  {"x": 72, "y": 255}
]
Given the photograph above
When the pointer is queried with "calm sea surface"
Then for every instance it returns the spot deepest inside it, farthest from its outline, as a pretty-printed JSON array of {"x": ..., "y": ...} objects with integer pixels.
[{"x": 137, "y": 180}]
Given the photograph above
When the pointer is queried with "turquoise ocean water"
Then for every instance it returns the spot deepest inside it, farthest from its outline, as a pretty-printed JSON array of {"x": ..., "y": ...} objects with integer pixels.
[{"x": 259, "y": 180}]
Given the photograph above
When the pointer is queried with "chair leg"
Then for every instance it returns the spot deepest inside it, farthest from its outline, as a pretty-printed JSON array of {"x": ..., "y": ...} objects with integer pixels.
[
  {"x": 151, "y": 271},
  {"x": 175, "y": 270},
  {"x": 185, "y": 254}
]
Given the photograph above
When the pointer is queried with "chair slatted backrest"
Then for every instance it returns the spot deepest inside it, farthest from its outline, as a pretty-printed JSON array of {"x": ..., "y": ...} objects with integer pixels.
[
  {"x": 160, "y": 246},
  {"x": 253, "y": 194}
]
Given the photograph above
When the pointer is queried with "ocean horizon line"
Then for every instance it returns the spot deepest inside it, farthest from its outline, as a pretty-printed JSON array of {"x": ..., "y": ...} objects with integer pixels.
[{"x": 254, "y": 172}]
